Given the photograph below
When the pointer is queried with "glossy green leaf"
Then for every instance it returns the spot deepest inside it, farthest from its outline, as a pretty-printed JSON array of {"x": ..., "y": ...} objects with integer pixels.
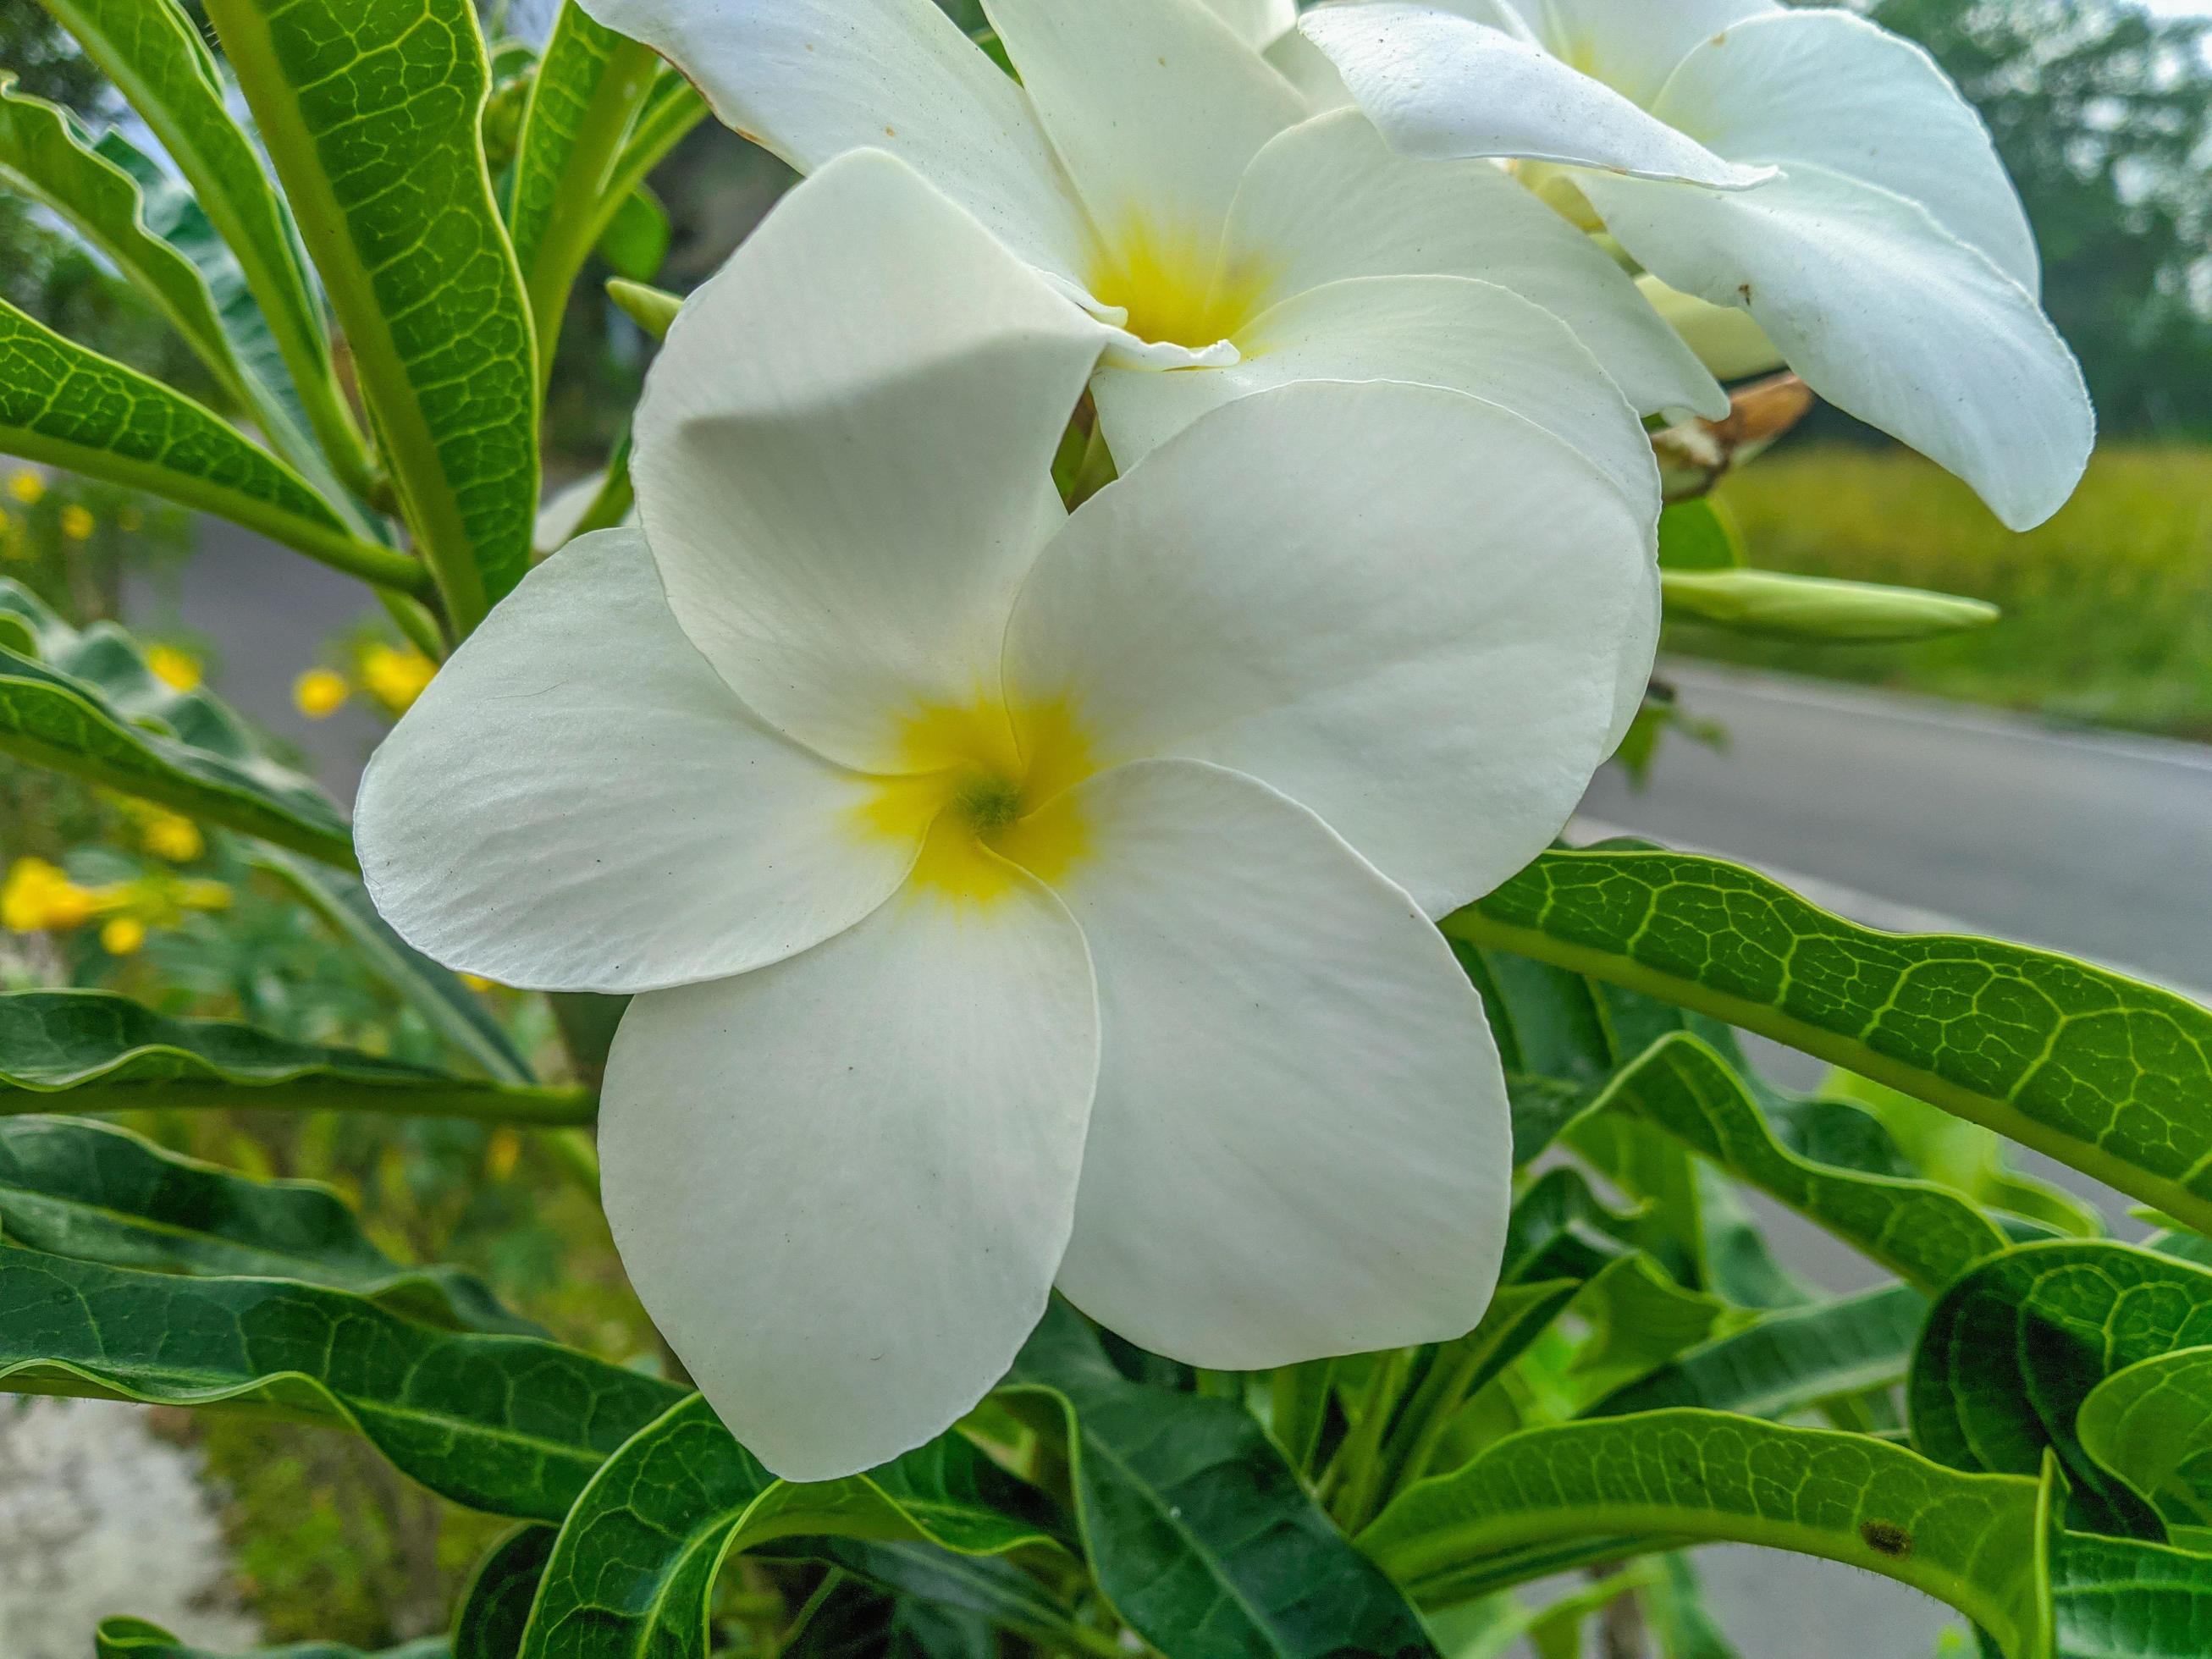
[
  {"x": 637, "y": 237},
  {"x": 135, "y": 1639},
  {"x": 989, "y": 1588},
  {"x": 2117, "y": 1598},
  {"x": 494, "y": 1609},
  {"x": 635, "y": 1562},
  {"x": 1200, "y": 1535},
  {"x": 95, "y": 1051},
  {"x": 583, "y": 103},
  {"x": 153, "y": 54},
  {"x": 2013, "y": 1351},
  {"x": 857, "y": 1622},
  {"x": 370, "y": 110},
  {"x": 505, "y": 1424},
  {"x": 96, "y": 1192},
  {"x": 1925, "y": 1233},
  {"x": 436, "y": 992},
  {"x": 1774, "y": 606},
  {"x": 1966, "y": 1158},
  {"x": 1700, "y": 534},
  {"x": 45, "y": 155},
  {"x": 88, "y": 704},
  {"x": 1790, "y": 1361},
  {"x": 2151, "y": 1425},
  {"x": 2109, "y": 1075},
  {"x": 1968, "y": 1540},
  {"x": 72, "y": 407}
]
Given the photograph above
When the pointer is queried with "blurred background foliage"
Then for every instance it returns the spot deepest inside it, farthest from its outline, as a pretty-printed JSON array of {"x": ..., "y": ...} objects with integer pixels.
[{"x": 2104, "y": 114}]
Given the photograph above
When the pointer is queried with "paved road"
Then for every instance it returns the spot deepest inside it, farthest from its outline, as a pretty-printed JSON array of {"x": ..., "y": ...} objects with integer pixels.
[{"x": 2097, "y": 845}]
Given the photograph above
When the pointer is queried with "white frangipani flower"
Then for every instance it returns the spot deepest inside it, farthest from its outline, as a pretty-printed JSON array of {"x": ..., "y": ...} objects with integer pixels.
[
  {"x": 1805, "y": 167},
  {"x": 1015, "y": 899},
  {"x": 1155, "y": 167}
]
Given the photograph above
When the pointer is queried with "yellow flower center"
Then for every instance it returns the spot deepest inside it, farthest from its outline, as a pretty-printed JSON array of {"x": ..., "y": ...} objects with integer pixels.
[
  {"x": 1173, "y": 286},
  {"x": 983, "y": 787}
]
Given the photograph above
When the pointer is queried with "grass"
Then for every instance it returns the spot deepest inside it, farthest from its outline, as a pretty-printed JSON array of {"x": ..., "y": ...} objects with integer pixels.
[{"x": 2108, "y": 608}]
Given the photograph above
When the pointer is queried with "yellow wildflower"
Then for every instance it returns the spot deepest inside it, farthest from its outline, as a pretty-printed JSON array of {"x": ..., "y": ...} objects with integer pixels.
[
  {"x": 396, "y": 677},
  {"x": 170, "y": 836},
  {"x": 131, "y": 521},
  {"x": 77, "y": 522},
  {"x": 503, "y": 1154},
  {"x": 204, "y": 896},
  {"x": 14, "y": 538},
  {"x": 28, "y": 488},
  {"x": 179, "y": 670},
  {"x": 123, "y": 937},
  {"x": 38, "y": 897},
  {"x": 318, "y": 693}
]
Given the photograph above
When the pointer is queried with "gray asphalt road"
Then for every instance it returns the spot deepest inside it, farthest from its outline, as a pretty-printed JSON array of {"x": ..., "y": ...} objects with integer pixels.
[{"x": 2097, "y": 845}]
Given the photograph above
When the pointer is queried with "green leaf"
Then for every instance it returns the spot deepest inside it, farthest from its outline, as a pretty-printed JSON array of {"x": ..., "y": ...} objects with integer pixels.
[
  {"x": 1676, "y": 1607},
  {"x": 72, "y": 407},
  {"x": 1200, "y": 1534},
  {"x": 1967, "y": 1540},
  {"x": 371, "y": 110},
  {"x": 88, "y": 704},
  {"x": 2151, "y": 1425},
  {"x": 1700, "y": 534},
  {"x": 636, "y": 1560},
  {"x": 2109, "y": 1075},
  {"x": 504, "y": 1423},
  {"x": 135, "y": 1639},
  {"x": 672, "y": 109},
  {"x": 436, "y": 992},
  {"x": 153, "y": 53},
  {"x": 2116, "y": 1599},
  {"x": 586, "y": 96},
  {"x": 2013, "y": 1351},
  {"x": 1774, "y": 606},
  {"x": 1790, "y": 1361},
  {"x": 46, "y": 155},
  {"x": 495, "y": 1606},
  {"x": 989, "y": 1588},
  {"x": 638, "y": 236},
  {"x": 95, "y": 1051},
  {"x": 95, "y": 1193},
  {"x": 1925, "y": 1233}
]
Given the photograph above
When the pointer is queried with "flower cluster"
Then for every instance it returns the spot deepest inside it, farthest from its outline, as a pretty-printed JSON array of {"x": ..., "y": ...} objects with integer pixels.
[{"x": 1017, "y": 899}]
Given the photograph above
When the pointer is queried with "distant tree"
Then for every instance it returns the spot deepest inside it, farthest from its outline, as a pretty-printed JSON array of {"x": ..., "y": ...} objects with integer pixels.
[{"x": 2103, "y": 115}]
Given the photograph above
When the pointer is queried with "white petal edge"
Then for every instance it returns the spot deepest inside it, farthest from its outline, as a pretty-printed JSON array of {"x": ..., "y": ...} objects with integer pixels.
[
  {"x": 1301, "y": 1144},
  {"x": 812, "y": 79},
  {"x": 1330, "y": 199},
  {"x": 842, "y": 1186},
  {"x": 1449, "y": 332},
  {"x": 844, "y": 455},
  {"x": 1442, "y": 87},
  {"x": 1258, "y": 23},
  {"x": 1633, "y": 45},
  {"x": 1414, "y": 615},
  {"x": 1886, "y": 315},
  {"x": 1155, "y": 107},
  {"x": 578, "y": 803},
  {"x": 1834, "y": 89}
]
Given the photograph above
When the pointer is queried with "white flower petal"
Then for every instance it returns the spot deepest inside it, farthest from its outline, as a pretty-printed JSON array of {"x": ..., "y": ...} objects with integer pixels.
[
  {"x": 1410, "y": 614},
  {"x": 812, "y": 79},
  {"x": 1728, "y": 340},
  {"x": 1887, "y": 316},
  {"x": 1155, "y": 106},
  {"x": 1258, "y": 23},
  {"x": 578, "y": 803},
  {"x": 844, "y": 453},
  {"x": 1633, "y": 45},
  {"x": 1301, "y": 63},
  {"x": 1301, "y": 1144},
  {"x": 1330, "y": 199},
  {"x": 1443, "y": 86},
  {"x": 1448, "y": 331},
  {"x": 1830, "y": 88},
  {"x": 842, "y": 1186}
]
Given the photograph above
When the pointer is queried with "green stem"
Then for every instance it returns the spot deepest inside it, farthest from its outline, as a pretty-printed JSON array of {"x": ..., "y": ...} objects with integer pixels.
[
  {"x": 534, "y": 1107},
  {"x": 1356, "y": 1472},
  {"x": 1096, "y": 471},
  {"x": 804, "y": 1616},
  {"x": 1301, "y": 1395}
]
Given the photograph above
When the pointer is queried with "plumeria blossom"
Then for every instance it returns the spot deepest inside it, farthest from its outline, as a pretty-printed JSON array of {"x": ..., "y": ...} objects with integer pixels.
[
  {"x": 1804, "y": 166},
  {"x": 1162, "y": 173},
  {"x": 1014, "y": 900}
]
